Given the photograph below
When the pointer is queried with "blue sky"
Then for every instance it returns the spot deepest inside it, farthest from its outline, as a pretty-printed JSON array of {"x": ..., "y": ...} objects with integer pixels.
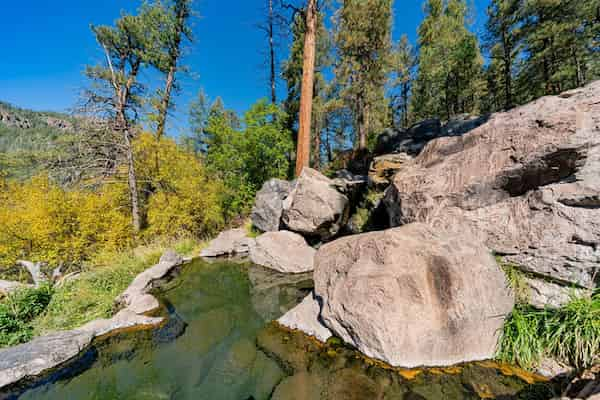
[{"x": 45, "y": 45}]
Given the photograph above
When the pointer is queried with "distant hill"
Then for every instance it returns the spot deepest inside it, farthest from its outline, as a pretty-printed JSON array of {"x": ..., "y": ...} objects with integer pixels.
[{"x": 29, "y": 139}]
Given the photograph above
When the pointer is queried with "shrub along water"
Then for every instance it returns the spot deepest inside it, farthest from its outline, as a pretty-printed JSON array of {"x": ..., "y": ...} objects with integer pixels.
[{"x": 18, "y": 310}]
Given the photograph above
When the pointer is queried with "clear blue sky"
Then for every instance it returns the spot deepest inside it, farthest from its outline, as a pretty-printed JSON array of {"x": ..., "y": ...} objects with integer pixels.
[{"x": 44, "y": 46}]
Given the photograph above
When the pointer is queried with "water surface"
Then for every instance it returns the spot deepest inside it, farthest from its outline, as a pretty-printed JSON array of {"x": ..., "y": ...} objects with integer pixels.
[{"x": 219, "y": 344}]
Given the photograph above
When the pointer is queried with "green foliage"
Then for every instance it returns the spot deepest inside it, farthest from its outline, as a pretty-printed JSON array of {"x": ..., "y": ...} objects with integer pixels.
[
  {"x": 91, "y": 294},
  {"x": 448, "y": 81},
  {"x": 363, "y": 39},
  {"x": 18, "y": 310},
  {"x": 570, "y": 334},
  {"x": 243, "y": 159}
]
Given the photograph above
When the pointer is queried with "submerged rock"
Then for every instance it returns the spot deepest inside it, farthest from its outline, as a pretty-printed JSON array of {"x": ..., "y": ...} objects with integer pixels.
[
  {"x": 413, "y": 296},
  {"x": 315, "y": 208},
  {"x": 231, "y": 242},
  {"x": 527, "y": 182},
  {"x": 283, "y": 251},
  {"x": 266, "y": 214},
  {"x": 305, "y": 317}
]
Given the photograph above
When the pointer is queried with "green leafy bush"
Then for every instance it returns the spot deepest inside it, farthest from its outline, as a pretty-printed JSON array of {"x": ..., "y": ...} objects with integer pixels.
[{"x": 18, "y": 310}]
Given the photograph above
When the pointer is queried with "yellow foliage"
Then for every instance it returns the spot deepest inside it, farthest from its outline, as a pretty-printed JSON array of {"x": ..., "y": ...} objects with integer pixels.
[
  {"x": 43, "y": 222},
  {"x": 184, "y": 200}
]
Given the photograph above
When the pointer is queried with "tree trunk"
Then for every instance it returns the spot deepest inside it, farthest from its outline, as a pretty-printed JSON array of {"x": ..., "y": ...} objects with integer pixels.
[
  {"x": 174, "y": 53},
  {"x": 363, "y": 123},
  {"x": 272, "y": 53},
  {"x": 306, "y": 97},
  {"x": 132, "y": 183},
  {"x": 507, "y": 72}
]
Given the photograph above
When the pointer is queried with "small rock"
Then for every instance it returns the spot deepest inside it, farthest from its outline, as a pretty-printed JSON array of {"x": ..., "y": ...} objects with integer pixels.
[
  {"x": 283, "y": 251},
  {"x": 231, "y": 242},
  {"x": 305, "y": 317},
  {"x": 171, "y": 257}
]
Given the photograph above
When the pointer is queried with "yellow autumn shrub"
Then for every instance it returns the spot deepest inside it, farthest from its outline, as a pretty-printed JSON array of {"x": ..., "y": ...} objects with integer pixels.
[
  {"x": 40, "y": 221},
  {"x": 183, "y": 199}
]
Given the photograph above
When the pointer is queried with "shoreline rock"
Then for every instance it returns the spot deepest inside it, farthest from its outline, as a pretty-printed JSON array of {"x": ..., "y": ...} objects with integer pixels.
[
  {"x": 229, "y": 243},
  {"x": 39, "y": 357},
  {"x": 283, "y": 251},
  {"x": 305, "y": 317},
  {"x": 268, "y": 206}
]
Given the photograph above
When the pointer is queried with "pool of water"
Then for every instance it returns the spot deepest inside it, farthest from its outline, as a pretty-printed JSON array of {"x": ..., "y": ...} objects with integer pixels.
[{"x": 219, "y": 344}]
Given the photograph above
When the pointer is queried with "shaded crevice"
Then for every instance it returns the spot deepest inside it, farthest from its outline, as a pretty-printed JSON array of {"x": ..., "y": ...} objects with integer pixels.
[{"x": 554, "y": 167}]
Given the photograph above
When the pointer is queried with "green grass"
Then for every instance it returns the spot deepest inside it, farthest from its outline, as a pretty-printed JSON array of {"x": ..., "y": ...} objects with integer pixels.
[
  {"x": 91, "y": 295},
  {"x": 570, "y": 334},
  {"x": 18, "y": 310},
  {"x": 516, "y": 281}
]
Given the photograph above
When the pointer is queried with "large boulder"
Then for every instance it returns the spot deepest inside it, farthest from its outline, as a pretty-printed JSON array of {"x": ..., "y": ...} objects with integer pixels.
[
  {"x": 283, "y": 251},
  {"x": 413, "y": 296},
  {"x": 527, "y": 182},
  {"x": 315, "y": 208},
  {"x": 227, "y": 243},
  {"x": 266, "y": 214}
]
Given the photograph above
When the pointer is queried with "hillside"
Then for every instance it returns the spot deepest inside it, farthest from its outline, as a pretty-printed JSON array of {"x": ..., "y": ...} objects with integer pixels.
[{"x": 29, "y": 139}]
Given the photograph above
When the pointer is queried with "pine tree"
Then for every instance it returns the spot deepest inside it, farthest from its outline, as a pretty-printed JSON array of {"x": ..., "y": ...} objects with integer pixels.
[
  {"x": 503, "y": 43},
  {"x": 450, "y": 63},
  {"x": 363, "y": 39},
  {"x": 404, "y": 62},
  {"x": 559, "y": 51},
  {"x": 292, "y": 74},
  {"x": 115, "y": 94}
]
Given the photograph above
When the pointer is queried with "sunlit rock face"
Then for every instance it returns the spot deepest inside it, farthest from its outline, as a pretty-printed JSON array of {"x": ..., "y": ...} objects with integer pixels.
[
  {"x": 527, "y": 182},
  {"x": 413, "y": 296}
]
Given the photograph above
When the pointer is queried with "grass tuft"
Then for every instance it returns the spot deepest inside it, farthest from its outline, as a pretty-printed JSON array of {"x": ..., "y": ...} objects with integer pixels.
[{"x": 570, "y": 334}]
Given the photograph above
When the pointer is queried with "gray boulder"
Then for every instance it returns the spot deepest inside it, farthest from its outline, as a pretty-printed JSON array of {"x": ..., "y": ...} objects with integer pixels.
[
  {"x": 315, "y": 208},
  {"x": 527, "y": 182},
  {"x": 231, "y": 242},
  {"x": 413, "y": 296},
  {"x": 283, "y": 251},
  {"x": 305, "y": 317},
  {"x": 266, "y": 214}
]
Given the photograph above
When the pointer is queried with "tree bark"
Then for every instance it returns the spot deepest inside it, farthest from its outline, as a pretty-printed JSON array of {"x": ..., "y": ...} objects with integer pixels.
[
  {"x": 132, "y": 183},
  {"x": 272, "y": 53},
  {"x": 174, "y": 53},
  {"x": 306, "y": 97}
]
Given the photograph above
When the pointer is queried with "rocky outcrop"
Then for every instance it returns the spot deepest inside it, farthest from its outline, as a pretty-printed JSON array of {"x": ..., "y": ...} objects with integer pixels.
[
  {"x": 413, "y": 295},
  {"x": 45, "y": 354},
  {"x": 305, "y": 317},
  {"x": 315, "y": 208},
  {"x": 283, "y": 251},
  {"x": 231, "y": 242},
  {"x": 266, "y": 214},
  {"x": 527, "y": 182}
]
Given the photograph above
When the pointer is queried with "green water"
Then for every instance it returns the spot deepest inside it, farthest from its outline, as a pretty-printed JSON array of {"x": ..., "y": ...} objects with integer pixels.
[{"x": 219, "y": 345}]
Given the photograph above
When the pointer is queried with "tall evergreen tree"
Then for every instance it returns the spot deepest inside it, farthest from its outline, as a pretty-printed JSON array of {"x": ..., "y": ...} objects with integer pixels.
[
  {"x": 115, "y": 92},
  {"x": 404, "y": 63},
  {"x": 450, "y": 63},
  {"x": 363, "y": 39},
  {"x": 173, "y": 29},
  {"x": 559, "y": 45},
  {"x": 502, "y": 42},
  {"x": 292, "y": 74}
]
